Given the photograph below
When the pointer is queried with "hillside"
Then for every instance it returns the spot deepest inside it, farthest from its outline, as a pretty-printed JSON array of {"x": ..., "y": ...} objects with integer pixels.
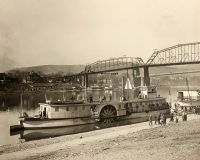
[
  {"x": 176, "y": 79},
  {"x": 52, "y": 69},
  {"x": 174, "y": 69},
  {"x": 71, "y": 69}
]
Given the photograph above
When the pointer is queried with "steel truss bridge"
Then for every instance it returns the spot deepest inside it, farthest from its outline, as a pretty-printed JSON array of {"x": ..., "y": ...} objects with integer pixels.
[
  {"x": 176, "y": 55},
  {"x": 114, "y": 64},
  {"x": 180, "y": 54}
]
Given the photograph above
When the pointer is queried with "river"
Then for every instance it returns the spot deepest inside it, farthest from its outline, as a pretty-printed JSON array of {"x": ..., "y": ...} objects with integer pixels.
[{"x": 12, "y": 103}]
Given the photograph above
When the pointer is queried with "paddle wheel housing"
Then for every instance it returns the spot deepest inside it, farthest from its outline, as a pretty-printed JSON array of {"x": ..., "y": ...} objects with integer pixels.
[{"x": 108, "y": 113}]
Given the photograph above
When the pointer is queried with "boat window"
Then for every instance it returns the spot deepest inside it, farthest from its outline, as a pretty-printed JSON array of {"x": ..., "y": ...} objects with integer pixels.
[
  {"x": 83, "y": 107},
  {"x": 67, "y": 108},
  {"x": 75, "y": 108},
  {"x": 56, "y": 109}
]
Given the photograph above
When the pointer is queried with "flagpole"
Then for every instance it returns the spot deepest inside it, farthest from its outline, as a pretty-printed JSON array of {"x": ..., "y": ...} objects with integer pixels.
[
  {"x": 45, "y": 96},
  {"x": 188, "y": 88},
  {"x": 122, "y": 86},
  {"x": 170, "y": 95},
  {"x": 21, "y": 102},
  {"x": 127, "y": 86}
]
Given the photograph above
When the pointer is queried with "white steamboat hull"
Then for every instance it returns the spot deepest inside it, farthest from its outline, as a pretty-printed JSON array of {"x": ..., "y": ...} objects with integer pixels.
[
  {"x": 54, "y": 123},
  {"x": 33, "y": 134}
]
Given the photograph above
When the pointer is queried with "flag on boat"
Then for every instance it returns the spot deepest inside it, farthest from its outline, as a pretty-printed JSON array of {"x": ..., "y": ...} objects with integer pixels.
[{"x": 128, "y": 84}]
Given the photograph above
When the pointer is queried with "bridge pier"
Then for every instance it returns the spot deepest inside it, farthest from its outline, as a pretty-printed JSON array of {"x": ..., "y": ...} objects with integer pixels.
[
  {"x": 146, "y": 76},
  {"x": 141, "y": 76},
  {"x": 85, "y": 80},
  {"x": 136, "y": 77},
  {"x": 82, "y": 80}
]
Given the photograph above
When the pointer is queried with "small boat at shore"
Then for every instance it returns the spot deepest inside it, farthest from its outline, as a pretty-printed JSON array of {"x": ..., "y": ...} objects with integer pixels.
[{"x": 188, "y": 100}]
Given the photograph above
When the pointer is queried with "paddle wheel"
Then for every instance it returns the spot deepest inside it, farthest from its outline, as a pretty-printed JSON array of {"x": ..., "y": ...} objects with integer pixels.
[{"x": 108, "y": 115}]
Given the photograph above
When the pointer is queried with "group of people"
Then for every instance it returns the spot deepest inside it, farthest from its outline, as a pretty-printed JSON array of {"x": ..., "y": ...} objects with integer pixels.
[
  {"x": 184, "y": 117},
  {"x": 172, "y": 116},
  {"x": 159, "y": 119}
]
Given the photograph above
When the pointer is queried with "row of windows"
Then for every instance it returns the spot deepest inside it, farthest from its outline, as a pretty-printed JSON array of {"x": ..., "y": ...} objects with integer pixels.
[
  {"x": 74, "y": 108},
  {"x": 156, "y": 103},
  {"x": 151, "y": 106}
]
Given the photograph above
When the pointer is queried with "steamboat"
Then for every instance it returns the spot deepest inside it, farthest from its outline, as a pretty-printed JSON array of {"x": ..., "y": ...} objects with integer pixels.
[{"x": 54, "y": 114}]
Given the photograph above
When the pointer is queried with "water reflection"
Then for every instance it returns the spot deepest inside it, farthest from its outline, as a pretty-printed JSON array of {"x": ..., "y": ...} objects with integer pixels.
[{"x": 13, "y": 101}]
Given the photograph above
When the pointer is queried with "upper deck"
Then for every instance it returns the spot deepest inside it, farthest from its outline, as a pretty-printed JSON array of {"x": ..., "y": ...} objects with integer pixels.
[{"x": 58, "y": 110}]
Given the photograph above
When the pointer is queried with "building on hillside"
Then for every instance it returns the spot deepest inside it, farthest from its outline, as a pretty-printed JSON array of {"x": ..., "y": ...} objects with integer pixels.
[
  {"x": 6, "y": 79},
  {"x": 32, "y": 77},
  {"x": 41, "y": 86}
]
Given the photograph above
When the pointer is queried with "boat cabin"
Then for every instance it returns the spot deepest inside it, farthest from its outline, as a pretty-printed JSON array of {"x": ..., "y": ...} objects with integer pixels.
[
  {"x": 61, "y": 111},
  {"x": 185, "y": 95}
]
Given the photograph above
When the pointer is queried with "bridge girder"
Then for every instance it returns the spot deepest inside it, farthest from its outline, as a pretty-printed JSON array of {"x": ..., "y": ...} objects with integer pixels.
[
  {"x": 188, "y": 53},
  {"x": 113, "y": 64}
]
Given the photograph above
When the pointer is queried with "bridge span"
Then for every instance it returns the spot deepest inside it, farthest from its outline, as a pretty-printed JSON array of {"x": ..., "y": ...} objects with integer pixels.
[{"x": 180, "y": 54}]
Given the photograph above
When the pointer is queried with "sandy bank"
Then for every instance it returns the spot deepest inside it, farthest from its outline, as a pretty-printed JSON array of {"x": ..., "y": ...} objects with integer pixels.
[{"x": 137, "y": 141}]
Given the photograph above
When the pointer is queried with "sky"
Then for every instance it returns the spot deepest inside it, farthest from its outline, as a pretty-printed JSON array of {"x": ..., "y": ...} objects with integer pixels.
[{"x": 67, "y": 32}]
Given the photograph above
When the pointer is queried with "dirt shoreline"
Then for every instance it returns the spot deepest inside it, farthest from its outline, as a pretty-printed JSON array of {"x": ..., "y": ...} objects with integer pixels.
[{"x": 137, "y": 141}]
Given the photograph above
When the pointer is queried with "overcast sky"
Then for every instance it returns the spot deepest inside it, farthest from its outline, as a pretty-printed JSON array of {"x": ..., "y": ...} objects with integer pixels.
[{"x": 40, "y": 32}]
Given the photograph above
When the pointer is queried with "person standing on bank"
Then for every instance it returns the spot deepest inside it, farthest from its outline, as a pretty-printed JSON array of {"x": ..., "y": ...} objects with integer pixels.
[
  {"x": 164, "y": 119},
  {"x": 150, "y": 120},
  {"x": 176, "y": 119},
  {"x": 185, "y": 116},
  {"x": 171, "y": 117},
  {"x": 159, "y": 117},
  {"x": 156, "y": 119}
]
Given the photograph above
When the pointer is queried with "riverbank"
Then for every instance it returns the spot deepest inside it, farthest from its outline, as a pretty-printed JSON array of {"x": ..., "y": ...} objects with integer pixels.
[{"x": 137, "y": 141}]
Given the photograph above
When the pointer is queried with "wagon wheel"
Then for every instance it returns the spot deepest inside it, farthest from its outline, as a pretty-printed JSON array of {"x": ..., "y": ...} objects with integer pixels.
[{"x": 108, "y": 115}]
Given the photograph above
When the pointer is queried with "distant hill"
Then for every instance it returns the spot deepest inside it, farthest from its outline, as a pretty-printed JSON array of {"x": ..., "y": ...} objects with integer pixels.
[
  {"x": 71, "y": 69},
  {"x": 52, "y": 69},
  {"x": 176, "y": 79},
  {"x": 173, "y": 69}
]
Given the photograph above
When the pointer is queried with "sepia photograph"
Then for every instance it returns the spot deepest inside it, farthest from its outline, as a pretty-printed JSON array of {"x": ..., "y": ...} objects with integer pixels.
[{"x": 99, "y": 80}]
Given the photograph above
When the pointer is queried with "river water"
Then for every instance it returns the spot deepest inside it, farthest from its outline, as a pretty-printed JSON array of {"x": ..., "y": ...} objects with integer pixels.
[{"x": 10, "y": 105}]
